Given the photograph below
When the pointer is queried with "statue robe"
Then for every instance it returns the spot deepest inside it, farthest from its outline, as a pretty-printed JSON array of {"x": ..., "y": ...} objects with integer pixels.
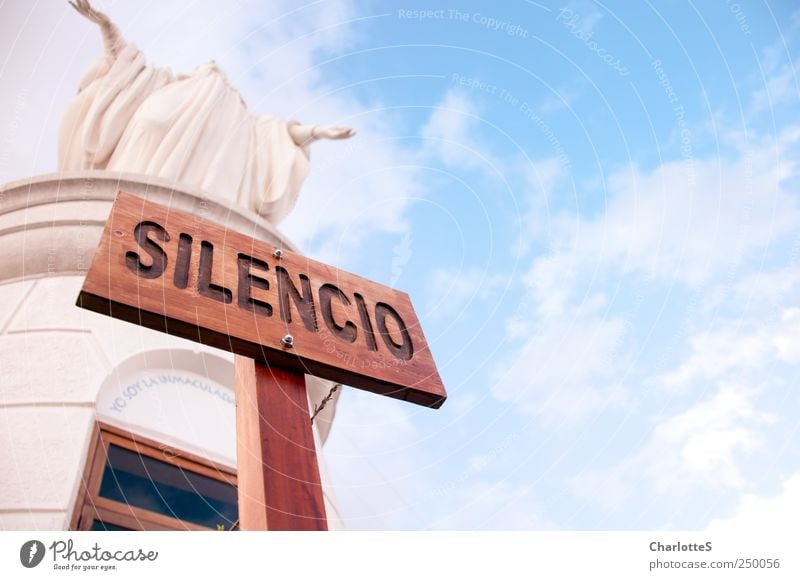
[{"x": 193, "y": 129}]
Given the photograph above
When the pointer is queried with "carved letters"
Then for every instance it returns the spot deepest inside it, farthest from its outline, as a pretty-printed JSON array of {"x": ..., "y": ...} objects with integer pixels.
[
  {"x": 170, "y": 271},
  {"x": 152, "y": 260}
]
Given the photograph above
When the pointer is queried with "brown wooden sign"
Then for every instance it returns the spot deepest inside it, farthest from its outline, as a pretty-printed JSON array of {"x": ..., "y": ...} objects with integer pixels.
[{"x": 173, "y": 272}]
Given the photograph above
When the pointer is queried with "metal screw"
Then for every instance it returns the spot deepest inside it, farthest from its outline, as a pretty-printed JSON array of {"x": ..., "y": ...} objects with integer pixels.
[
  {"x": 278, "y": 254},
  {"x": 288, "y": 341}
]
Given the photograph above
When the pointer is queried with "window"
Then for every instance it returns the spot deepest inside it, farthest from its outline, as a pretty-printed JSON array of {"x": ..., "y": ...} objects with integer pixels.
[{"x": 132, "y": 483}]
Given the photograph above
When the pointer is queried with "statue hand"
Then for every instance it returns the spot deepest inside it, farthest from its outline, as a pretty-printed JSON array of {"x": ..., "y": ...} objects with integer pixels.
[
  {"x": 304, "y": 135},
  {"x": 332, "y": 132},
  {"x": 86, "y": 9},
  {"x": 112, "y": 39}
]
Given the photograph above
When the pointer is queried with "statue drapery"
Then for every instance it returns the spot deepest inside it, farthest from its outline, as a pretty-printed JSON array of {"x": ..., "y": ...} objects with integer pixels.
[{"x": 193, "y": 128}]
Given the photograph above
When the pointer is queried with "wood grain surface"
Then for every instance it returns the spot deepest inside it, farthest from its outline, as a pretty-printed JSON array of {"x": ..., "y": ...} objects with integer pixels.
[
  {"x": 180, "y": 274},
  {"x": 279, "y": 481}
]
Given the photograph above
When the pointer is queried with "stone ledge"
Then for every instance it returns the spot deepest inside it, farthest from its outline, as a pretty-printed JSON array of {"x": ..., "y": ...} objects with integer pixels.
[
  {"x": 34, "y": 520},
  {"x": 55, "y": 220}
]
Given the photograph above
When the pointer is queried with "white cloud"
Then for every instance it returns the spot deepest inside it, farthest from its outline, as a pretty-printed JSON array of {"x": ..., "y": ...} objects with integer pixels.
[
  {"x": 688, "y": 221},
  {"x": 692, "y": 221},
  {"x": 739, "y": 347},
  {"x": 766, "y": 288},
  {"x": 564, "y": 372},
  {"x": 700, "y": 445},
  {"x": 374, "y": 455},
  {"x": 682, "y": 222},
  {"x": 677, "y": 222},
  {"x": 366, "y": 191},
  {"x": 582, "y": 17},
  {"x": 706, "y": 447},
  {"x": 779, "y": 89},
  {"x": 787, "y": 339},
  {"x": 715, "y": 353},
  {"x": 454, "y": 290},
  {"x": 401, "y": 256},
  {"x": 541, "y": 179},
  {"x": 697, "y": 448},
  {"x": 776, "y": 514},
  {"x": 494, "y": 506},
  {"x": 544, "y": 175},
  {"x": 563, "y": 99},
  {"x": 778, "y": 79},
  {"x": 450, "y": 133},
  {"x": 551, "y": 281}
]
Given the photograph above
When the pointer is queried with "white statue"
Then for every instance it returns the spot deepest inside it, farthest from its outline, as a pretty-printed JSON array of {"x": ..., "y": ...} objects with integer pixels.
[{"x": 193, "y": 129}]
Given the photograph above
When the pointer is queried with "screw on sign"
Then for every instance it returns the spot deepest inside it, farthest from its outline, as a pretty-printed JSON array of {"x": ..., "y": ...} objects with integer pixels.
[{"x": 286, "y": 314}]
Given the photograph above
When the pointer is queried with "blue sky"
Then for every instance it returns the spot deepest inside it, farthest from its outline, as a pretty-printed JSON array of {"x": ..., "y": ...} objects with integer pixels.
[{"x": 593, "y": 207}]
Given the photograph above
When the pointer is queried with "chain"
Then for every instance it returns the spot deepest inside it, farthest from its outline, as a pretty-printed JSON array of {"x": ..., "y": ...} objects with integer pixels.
[{"x": 323, "y": 402}]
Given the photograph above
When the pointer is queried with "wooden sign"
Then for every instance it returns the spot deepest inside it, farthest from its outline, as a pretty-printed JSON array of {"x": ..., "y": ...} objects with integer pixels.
[{"x": 173, "y": 272}]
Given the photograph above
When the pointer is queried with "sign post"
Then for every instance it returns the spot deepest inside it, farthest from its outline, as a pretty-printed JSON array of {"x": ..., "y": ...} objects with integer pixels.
[
  {"x": 284, "y": 315},
  {"x": 277, "y": 461}
]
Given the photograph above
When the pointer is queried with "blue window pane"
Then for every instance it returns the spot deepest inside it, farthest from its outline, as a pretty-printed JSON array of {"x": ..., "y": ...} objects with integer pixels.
[
  {"x": 98, "y": 526},
  {"x": 160, "y": 487}
]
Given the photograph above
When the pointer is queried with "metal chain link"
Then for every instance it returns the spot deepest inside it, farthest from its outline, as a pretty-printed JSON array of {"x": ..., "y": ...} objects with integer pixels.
[{"x": 325, "y": 400}]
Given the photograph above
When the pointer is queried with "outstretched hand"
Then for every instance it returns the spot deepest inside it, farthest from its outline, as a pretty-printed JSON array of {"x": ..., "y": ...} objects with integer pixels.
[
  {"x": 333, "y": 132},
  {"x": 112, "y": 40},
  {"x": 304, "y": 135},
  {"x": 86, "y": 9}
]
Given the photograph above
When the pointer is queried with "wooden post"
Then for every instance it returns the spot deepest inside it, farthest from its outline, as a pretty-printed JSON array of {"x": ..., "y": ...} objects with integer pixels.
[{"x": 278, "y": 473}]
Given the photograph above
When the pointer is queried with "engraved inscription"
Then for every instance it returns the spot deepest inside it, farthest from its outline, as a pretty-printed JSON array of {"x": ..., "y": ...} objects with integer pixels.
[
  {"x": 158, "y": 257},
  {"x": 253, "y": 284}
]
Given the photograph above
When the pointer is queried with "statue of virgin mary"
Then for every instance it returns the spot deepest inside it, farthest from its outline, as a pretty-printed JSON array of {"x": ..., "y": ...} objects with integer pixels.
[{"x": 191, "y": 128}]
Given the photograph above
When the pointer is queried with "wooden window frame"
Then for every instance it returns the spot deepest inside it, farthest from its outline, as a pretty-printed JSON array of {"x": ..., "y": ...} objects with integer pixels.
[{"x": 90, "y": 506}]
